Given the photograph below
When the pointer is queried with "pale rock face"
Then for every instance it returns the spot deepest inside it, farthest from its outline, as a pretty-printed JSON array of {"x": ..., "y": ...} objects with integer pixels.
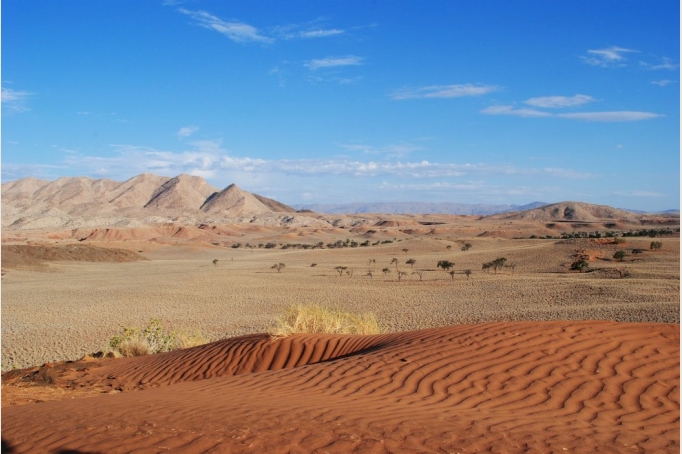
[{"x": 75, "y": 202}]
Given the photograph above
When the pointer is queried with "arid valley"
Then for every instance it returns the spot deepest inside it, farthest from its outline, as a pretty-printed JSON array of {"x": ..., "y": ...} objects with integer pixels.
[{"x": 515, "y": 332}]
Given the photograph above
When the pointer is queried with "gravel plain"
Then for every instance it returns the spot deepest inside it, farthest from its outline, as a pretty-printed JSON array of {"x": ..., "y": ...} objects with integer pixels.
[{"x": 68, "y": 310}]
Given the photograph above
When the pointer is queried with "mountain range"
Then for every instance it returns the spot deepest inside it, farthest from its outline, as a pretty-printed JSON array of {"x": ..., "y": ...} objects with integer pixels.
[{"x": 73, "y": 202}]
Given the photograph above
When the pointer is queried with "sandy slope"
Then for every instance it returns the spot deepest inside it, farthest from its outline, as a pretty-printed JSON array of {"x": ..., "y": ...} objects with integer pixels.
[{"x": 499, "y": 387}]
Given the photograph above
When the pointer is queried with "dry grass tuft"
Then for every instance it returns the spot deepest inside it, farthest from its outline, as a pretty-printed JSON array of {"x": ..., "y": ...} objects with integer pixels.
[
  {"x": 153, "y": 339},
  {"x": 316, "y": 319}
]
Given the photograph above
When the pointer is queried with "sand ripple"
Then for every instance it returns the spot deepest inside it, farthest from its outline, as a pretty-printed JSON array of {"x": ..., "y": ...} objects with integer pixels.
[{"x": 500, "y": 387}]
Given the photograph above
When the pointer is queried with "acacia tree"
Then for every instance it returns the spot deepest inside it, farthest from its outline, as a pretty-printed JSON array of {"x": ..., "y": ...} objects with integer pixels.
[
  {"x": 395, "y": 260},
  {"x": 468, "y": 273},
  {"x": 411, "y": 262},
  {"x": 445, "y": 264},
  {"x": 369, "y": 273},
  {"x": 215, "y": 262},
  {"x": 655, "y": 245},
  {"x": 452, "y": 274},
  {"x": 341, "y": 269},
  {"x": 419, "y": 273},
  {"x": 401, "y": 274},
  {"x": 278, "y": 266},
  {"x": 386, "y": 271}
]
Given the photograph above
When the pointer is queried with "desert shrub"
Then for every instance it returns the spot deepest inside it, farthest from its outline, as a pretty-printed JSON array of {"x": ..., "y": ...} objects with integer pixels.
[
  {"x": 655, "y": 245},
  {"x": 445, "y": 264},
  {"x": 580, "y": 265},
  {"x": 133, "y": 341},
  {"x": 620, "y": 255},
  {"x": 316, "y": 319}
]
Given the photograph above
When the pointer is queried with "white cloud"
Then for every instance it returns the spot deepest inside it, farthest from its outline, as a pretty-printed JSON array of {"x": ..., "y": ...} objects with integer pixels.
[
  {"x": 187, "y": 131},
  {"x": 509, "y": 110},
  {"x": 320, "y": 33},
  {"x": 666, "y": 64},
  {"x": 331, "y": 62},
  {"x": 615, "y": 116},
  {"x": 610, "y": 56},
  {"x": 236, "y": 31},
  {"x": 663, "y": 82},
  {"x": 444, "y": 91},
  {"x": 606, "y": 117},
  {"x": 15, "y": 99},
  {"x": 559, "y": 101}
]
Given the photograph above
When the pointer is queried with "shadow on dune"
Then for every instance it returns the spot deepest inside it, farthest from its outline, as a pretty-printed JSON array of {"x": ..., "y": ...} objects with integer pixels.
[{"x": 7, "y": 448}]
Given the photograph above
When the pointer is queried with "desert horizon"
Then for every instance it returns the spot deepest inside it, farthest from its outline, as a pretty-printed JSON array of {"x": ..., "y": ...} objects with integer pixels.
[{"x": 545, "y": 280}]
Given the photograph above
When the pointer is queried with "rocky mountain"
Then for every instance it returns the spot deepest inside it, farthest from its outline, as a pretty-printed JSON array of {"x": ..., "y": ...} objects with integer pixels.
[{"x": 30, "y": 203}]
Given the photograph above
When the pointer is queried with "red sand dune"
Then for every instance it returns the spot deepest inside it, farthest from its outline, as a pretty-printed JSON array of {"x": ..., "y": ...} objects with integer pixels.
[{"x": 499, "y": 387}]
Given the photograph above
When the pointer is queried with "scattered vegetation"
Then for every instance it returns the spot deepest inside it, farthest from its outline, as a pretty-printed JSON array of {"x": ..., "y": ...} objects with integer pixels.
[
  {"x": 655, "y": 245},
  {"x": 466, "y": 247},
  {"x": 620, "y": 255},
  {"x": 496, "y": 264},
  {"x": 133, "y": 341},
  {"x": 316, "y": 319},
  {"x": 278, "y": 266},
  {"x": 411, "y": 262}
]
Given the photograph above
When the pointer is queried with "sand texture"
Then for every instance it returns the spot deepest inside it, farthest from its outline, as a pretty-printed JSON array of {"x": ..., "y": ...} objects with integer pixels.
[{"x": 498, "y": 387}]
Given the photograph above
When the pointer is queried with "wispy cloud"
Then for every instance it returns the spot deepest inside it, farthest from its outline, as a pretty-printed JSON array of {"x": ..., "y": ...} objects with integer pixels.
[
  {"x": 210, "y": 159},
  {"x": 665, "y": 64},
  {"x": 609, "y": 117},
  {"x": 663, "y": 82},
  {"x": 187, "y": 131},
  {"x": 394, "y": 151},
  {"x": 331, "y": 62},
  {"x": 610, "y": 56},
  {"x": 321, "y": 33},
  {"x": 444, "y": 91},
  {"x": 15, "y": 99},
  {"x": 550, "y": 102},
  {"x": 605, "y": 117},
  {"x": 234, "y": 30},
  {"x": 510, "y": 110}
]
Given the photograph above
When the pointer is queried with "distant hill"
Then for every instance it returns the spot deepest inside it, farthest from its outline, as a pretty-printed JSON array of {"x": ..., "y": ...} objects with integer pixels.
[
  {"x": 416, "y": 208},
  {"x": 570, "y": 211}
]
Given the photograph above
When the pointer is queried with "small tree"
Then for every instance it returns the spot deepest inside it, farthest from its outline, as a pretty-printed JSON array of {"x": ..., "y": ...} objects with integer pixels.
[
  {"x": 419, "y": 273},
  {"x": 395, "y": 260},
  {"x": 401, "y": 274},
  {"x": 341, "y": 269},
  {"x": 637, "y": 251},
  {"x": 452, "y": 274},
  {"x": 369, "y": 273},
  {"x": 405, "y": 250},
  {"x": 468, "y": 273},
  {"x": 620, "y": 255},
  {"x": 466, "y": 247},
  {"x": 278, "y": 266},
  {"x": 411, "y": 262},
  {"x": 448, "y": 247},
  {"x": 386, "y": 271},
  {"x": 445, "y": 264},
  {"x": 215, "y": 262},
  {"x": 655, "y": 245}
]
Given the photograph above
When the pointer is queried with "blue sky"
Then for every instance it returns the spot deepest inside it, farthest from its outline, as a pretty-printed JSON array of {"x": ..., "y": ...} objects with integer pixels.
[{"x": 351, "y": 101}]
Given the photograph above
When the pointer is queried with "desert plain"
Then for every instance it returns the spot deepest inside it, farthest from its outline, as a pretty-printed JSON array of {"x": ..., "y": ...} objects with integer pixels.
[{"x": 533, "y": 356}]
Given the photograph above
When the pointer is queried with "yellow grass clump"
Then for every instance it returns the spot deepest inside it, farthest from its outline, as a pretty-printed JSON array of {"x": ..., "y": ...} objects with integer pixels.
[
  {"x": 133, "y": 341},
  {"x": 316, "y": 319}
]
